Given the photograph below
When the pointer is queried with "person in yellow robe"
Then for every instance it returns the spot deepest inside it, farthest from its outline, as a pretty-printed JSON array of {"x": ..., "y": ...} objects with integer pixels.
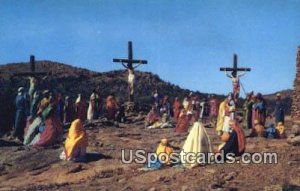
[
  {"x": 280, "y": 130},
  {"x": 223, "y": 118},
  {"x": 163, "y": 151},
  {"x": 76, "y": 143}
]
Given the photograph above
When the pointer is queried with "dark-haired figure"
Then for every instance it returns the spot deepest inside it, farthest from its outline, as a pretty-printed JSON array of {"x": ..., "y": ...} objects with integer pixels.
[
  {"x": 69, "y": 110},
  {"x": 176, "y": 108},
  {"x": 279, "y": 110},
  {"x": 236, "y": 142},
  {"x": 259, "y": 110}
]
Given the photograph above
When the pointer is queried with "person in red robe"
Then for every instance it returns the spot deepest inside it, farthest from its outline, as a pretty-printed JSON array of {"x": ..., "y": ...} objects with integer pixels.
[
  {"x": 80, "y": 108},
  {"x": 213, "y": 104},
  {"x": 183, "y": 122},
  {"x": 176, "y": 108},
  {"x": 111, "y": 107}
]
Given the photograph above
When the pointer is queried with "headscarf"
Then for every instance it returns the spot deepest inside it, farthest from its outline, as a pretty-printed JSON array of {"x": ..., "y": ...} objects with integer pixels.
[
  {"x": 163, "y": 147},
  {"x": 197, "y": 142},
  {"x": 77, "y": 137},
  {"x": 240, "y": 135}
]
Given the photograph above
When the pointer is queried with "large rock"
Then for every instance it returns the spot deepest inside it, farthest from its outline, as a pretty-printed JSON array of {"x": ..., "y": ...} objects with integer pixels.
[{"x": 295, "y": 130}]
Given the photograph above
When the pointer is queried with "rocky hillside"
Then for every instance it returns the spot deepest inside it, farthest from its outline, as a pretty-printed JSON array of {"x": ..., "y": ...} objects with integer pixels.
[{"x": 70, "y": 81}]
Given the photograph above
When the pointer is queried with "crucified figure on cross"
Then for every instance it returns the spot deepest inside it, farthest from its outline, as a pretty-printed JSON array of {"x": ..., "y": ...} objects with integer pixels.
[
  {"x": 130, "y": 68},
  {"x": 235, "y": 76}
]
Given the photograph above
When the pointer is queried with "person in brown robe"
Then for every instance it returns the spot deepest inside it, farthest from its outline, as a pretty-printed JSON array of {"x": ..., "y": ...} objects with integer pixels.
[
  {"x": 176, "y": 108},
  {"x": 111, "y": 107}
]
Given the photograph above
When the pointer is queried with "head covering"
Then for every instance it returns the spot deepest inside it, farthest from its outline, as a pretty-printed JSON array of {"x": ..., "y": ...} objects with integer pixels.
[
  {"x": 164, "y": 142},
  {"x": 240, "y": 134},
  {"x": 21, "y": 89},
  {"x": 93, "y": 96},
  {"x": 46, "y": 91},
  {"x": 77, "y": 137},
  {"x": 278, "y": 95},
  {"x": 163, "y": 150},
  {"x": 196, "y": 142},
  {"x": 78, "y": 98}
]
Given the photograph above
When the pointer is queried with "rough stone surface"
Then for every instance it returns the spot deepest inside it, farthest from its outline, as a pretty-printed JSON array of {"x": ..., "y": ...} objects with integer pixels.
[{"x": 295, "y": 110}]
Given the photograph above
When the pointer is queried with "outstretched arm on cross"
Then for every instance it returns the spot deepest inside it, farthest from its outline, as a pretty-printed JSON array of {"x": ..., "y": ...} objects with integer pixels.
[
  {"x": 242, "y": 73},
  {"x": 228, "y": 75}
]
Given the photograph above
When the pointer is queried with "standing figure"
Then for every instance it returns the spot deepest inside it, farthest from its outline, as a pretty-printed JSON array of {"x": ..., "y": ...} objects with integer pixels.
[
  {"x": 166, "y": 106},
  {"x": 223, "y": 117},
  {"x": 60, "y": 107},
  {"x": 279, "y": 110},
  {"x": 92, "y": 112},
  {"x": 247, "y": 117},
  {"x": 235, "y": 78},
  {"x": 34, "y": 103},
  {"x": 69, "y": 110},
  {"x": 213, "y": 103},
  {"x": 259, "y": 110},
  {"x": 156, "y": 99},
  {"x": 20, "y": 121},
  {"x": 80, "y": 108},
  {"x": 176, "y": 108},
  {"x": 131, "y": 82},
  {"x": 183, "y": 122},
  {"x": 111, "y": 107}
]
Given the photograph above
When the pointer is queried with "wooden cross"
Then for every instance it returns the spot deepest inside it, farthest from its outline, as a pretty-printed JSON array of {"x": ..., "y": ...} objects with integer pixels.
[
  {"x": 32, "y": 72},
  {"x": 235, "y": 68},
  {"x": 130, "y": 66},
  {"x": 130, "y": 61}
]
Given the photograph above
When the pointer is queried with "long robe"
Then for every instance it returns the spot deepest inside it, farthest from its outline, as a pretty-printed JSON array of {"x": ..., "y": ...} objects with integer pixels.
[
  {"x": 176, "y": 109},
  {"x": 213, "y": 108},
  {"x": 111, "y": 107},
  {"x": 81, "y": 110},
  {"x": 20, "y": 121},
  {"x": 69, "y": 112},
  {"x": 92, "y": 110},
  {"x": 247, "y": 116},
  {"x": 52, "y": 132},
  {"x": 223, "y": 117},
  {"x": 32, "y": 130},
  {"x": 236, "y": 143},
  {"x": 197, "y": 142},
  {"x": 182, "y": 123},
  {"x": 76, "y": 141},
  {"x": 279, "y": 112},
  {"x": 259, "y": 113}
]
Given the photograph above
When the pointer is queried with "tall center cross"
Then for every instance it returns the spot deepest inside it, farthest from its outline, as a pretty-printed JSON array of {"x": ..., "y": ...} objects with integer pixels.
[
  {"x": 129, "y": 65},
  {"x": 130, "y": 61},
  {"x": 235, "y": 69}
]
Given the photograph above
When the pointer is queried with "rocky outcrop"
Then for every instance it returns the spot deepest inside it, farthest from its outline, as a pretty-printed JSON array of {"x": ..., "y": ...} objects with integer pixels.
[{"x": 295, "y": 113}]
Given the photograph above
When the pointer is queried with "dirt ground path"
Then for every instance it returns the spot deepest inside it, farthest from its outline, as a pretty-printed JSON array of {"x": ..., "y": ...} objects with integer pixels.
[{"x": 35, "y": 169}]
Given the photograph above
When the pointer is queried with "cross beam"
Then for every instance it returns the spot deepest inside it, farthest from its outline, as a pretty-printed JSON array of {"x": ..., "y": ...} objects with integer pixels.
[
  {"x": 32, "y": 72},
  {"x": 130, "y": 61},
  {"x": 235, "y": 69}
]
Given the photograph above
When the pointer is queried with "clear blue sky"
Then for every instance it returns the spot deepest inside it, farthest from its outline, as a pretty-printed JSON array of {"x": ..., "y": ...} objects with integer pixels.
[{"x": 185, "y": 42}]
